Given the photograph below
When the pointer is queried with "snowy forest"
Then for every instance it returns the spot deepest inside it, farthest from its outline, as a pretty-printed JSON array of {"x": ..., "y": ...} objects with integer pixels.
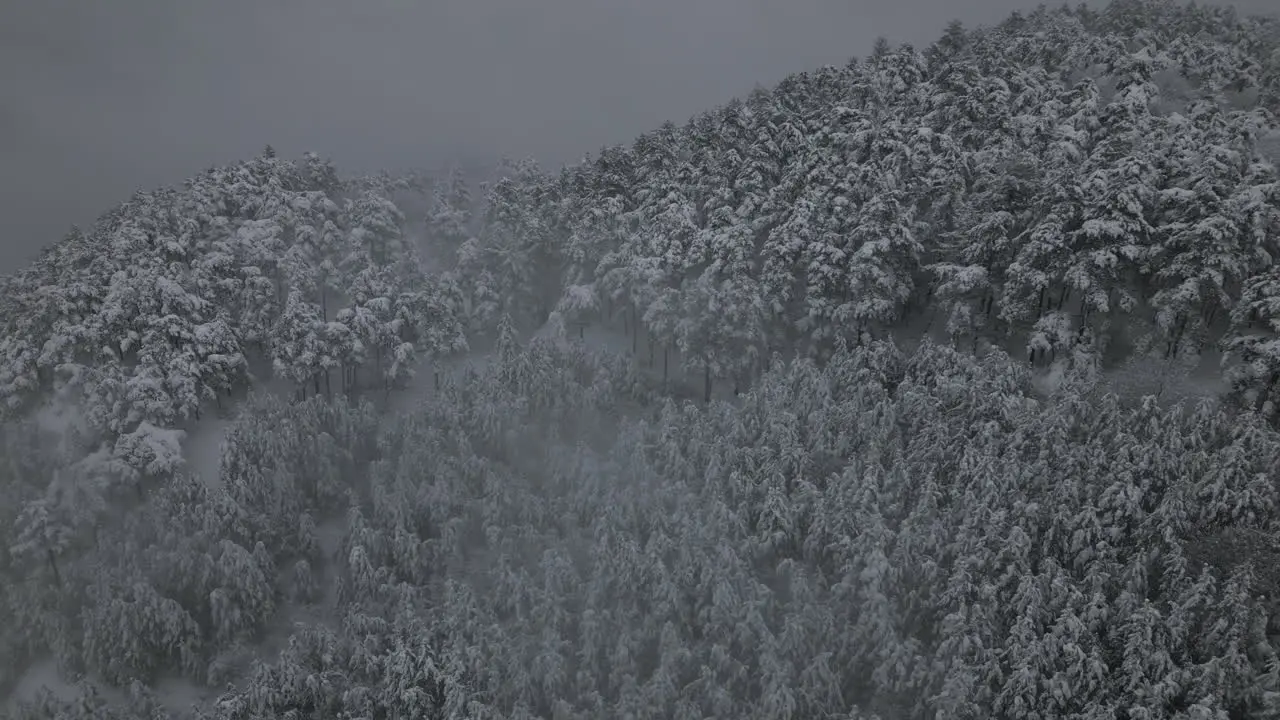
[{"x": 944, "y": 384}]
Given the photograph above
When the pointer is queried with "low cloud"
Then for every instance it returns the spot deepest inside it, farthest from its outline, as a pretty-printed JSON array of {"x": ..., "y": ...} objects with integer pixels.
[{"x": 102, "y": 98}]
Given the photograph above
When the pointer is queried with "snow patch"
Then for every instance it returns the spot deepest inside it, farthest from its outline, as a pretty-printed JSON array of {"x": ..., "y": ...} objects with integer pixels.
[
  {"x": 44, "y": 676},
  {"x": 203, "y": 449},
  {"x": 181, "y": 697},
  {"x": 40, "y": 675}
]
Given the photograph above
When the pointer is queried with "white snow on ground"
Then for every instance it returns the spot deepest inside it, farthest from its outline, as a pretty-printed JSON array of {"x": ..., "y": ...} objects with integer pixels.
[
  {"x": 180, "y": 696},
  {"x": 1186, "y": 379},
  {"x": 42, "y": 674},
  {"x": 422, "y": 387},
  {"x": 204, "y": 449}
]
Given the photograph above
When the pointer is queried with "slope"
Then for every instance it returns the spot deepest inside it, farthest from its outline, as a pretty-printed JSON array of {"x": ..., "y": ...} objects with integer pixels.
[{"x": 910, "y": 534}]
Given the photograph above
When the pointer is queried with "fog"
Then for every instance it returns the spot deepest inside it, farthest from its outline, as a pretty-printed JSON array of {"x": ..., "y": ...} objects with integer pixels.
[{"x": 98, "y": 99}]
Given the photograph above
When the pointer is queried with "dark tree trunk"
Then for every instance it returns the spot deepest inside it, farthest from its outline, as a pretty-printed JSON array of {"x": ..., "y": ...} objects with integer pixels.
[
  {"x": 1176, "y": 340},
  {"x": 635, "y": 330},
  {"x": 666, "y": 355},
  {"x": 53, "y": 565},
  {"x": 706, "y": 383}
]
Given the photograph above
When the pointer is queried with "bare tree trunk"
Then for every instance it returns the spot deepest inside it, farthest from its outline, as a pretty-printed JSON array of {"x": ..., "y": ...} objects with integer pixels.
[
  {"x": 1164, "y": 376},
  {"x": 706, "y": 383},
  {"x": 666, "y": 355},
  {"x": 1172, "y": 348},
  {"x": 53, "y": 565}
]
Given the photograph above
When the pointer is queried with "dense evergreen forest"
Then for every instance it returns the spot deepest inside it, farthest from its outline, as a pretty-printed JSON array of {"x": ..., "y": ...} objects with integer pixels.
[{"x": 757, "y": 421}]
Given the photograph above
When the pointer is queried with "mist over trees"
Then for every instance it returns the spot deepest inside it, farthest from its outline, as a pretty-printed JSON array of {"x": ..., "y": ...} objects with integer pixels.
[{"x": 829, "y": 402}]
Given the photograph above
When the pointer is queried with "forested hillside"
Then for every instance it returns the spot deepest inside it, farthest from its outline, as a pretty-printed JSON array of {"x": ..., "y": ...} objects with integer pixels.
[
  {"x": 876, "y": 508},
  {"x": 1069, "y": 184}
]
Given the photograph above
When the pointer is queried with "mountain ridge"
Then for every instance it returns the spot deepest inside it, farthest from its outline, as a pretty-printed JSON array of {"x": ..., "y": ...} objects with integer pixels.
[{"x": 981, "y": 526}]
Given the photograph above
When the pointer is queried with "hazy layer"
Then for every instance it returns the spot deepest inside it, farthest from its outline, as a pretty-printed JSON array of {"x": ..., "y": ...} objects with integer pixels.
[{"x": 97, "y": 99}]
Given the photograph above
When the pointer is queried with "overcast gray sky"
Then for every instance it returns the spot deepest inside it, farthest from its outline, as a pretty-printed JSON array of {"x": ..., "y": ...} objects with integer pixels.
[{"x": 99, "y": 98}]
